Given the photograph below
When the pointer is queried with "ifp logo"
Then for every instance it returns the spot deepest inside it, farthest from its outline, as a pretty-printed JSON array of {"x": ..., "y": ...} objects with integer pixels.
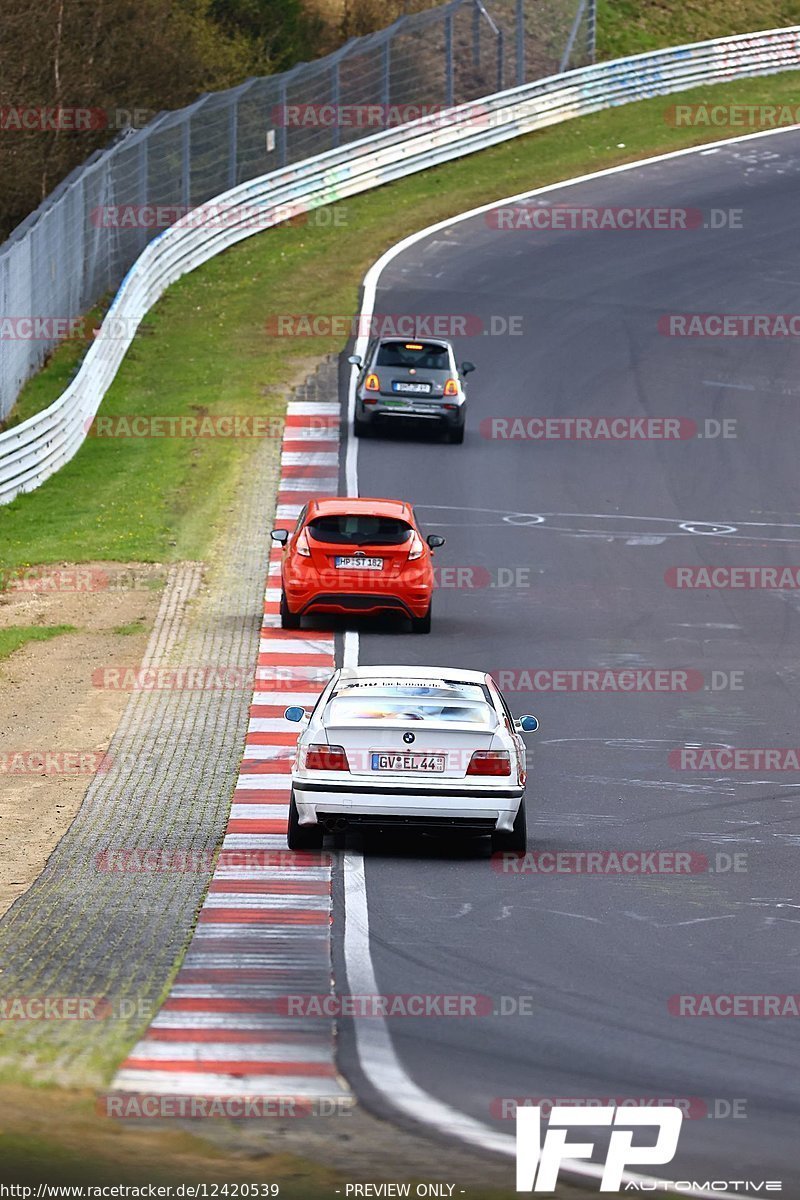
[{"x": 539, "y": 1161}]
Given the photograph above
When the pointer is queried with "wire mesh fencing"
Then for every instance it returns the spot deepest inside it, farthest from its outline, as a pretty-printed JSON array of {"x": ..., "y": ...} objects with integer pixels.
[{"x": 79, "y": 244}]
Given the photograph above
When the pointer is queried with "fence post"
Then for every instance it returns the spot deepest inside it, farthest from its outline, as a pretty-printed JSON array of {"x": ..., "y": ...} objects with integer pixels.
[
  {"x": 143, "y": 168},
  {"x": 335, "y": 100},
  {"x": 500, "y": 59},
  {"x": 386, "y": 75},
  {"x": 591, "y": 31},
  {"x": 448, "y": 41},
  {"x": 281, "y": 138},
  {"x": 520, "y": 42},
  {"x": 233, "y": 142},
  {"x": 186, "y": 161},
  {"x": 476, "y": 34}
]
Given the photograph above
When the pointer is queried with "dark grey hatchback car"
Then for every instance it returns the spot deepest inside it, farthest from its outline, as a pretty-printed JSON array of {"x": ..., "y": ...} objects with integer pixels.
[{"x": 418, "y": 381}]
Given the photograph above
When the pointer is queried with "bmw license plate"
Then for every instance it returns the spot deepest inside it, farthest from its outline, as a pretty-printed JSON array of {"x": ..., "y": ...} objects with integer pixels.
[
  {"x": 416, "y": 389},
  {"x": 424, "y": 763},
  {"x": 366, "y": 564}
]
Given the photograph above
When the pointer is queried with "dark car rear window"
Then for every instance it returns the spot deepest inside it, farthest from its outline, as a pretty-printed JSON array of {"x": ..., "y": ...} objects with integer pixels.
[
  {"x": 361, "y": 529},
  {"x": 425, "y": 355}
]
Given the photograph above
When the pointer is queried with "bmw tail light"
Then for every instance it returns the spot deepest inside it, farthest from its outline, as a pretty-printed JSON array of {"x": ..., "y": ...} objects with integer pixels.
[
  {"x": 320, "y": 757},
  {"x": 490, "y": 762},
  {"x": 371, "y": 383},
  {"x": 301, "y": 545},
  {"x": 416, "y": 549},
  {"x": 451, "y": 387}
]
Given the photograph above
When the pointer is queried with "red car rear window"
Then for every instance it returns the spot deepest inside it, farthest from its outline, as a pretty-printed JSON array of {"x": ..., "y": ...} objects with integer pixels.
[{"x": 360, "y": 529}]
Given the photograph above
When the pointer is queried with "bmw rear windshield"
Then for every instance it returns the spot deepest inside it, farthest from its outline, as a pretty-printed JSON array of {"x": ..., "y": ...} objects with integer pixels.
[
  {"x": 425, "y": 356},
  {"x": 462, "y": 704},
  {"x": 359, "y": 529}
]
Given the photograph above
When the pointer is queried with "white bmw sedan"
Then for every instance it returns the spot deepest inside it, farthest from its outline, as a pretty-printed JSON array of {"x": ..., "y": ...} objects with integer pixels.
[{"x": 428, "y": 748}]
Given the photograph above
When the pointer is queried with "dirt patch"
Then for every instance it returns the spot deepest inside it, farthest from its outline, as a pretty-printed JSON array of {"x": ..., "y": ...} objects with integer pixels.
[
  {"x": 49, "y": 706},
  {"x": 58, "y": 1137}
]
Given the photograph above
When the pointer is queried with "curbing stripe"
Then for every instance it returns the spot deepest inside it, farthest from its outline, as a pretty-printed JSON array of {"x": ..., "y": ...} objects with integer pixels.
[{"x": 263, "y": 932}]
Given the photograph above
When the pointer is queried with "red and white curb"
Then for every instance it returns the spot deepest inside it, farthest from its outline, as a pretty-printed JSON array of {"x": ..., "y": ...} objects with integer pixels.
[{"x": 263, "y": 932}]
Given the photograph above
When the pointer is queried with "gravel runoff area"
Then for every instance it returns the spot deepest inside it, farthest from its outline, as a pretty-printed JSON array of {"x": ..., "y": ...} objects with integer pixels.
[{"x": 90, "y": 927}]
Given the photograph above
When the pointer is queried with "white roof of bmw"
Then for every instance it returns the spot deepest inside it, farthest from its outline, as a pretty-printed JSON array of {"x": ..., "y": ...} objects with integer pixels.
[{"x": 423, "y": 673}]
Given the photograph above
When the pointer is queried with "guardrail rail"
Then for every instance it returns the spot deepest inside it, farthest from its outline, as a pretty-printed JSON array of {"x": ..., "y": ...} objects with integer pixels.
[{"x": 33, "y": 450}]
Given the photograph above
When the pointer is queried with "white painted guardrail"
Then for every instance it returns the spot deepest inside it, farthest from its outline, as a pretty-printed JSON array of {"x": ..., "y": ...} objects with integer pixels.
[{"x": 33, "y": 450}]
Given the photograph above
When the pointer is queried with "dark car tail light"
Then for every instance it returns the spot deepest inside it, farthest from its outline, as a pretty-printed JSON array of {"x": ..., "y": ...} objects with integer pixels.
[
  {"x": 371, "y": 383},
  {"x": 320, "y": 757},
  {"x": 490, "y": 762},
  {"x": 451, "y": 387}
]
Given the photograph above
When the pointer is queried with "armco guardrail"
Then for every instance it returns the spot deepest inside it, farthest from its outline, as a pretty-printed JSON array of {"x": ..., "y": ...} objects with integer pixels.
[{"x": 33, "y": 450}]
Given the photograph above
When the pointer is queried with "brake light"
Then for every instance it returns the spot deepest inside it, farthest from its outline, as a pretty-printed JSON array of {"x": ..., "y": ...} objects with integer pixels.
[
  {"x": 416, "y": 549},
  {"x": 320, "y": 757},
  {"x": 371, "y": 383},
  {"x": 451, "y": 387},
  {"x": 301, "y": 545},
  {"x": 490, "y": 762}
]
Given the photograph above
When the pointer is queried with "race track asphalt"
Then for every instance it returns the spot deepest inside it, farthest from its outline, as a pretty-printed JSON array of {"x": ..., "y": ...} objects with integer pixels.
[{"x": 585, "y": 588}]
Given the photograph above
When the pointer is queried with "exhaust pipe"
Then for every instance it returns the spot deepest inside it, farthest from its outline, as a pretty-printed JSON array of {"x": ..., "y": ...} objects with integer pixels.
[{"x": 335, "y": 824}]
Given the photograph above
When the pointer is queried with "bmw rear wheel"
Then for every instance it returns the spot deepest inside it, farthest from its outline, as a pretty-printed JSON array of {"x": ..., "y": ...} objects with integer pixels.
[
  {"x": 302, "y": 837},
  {"x": 517, "y": 839}
]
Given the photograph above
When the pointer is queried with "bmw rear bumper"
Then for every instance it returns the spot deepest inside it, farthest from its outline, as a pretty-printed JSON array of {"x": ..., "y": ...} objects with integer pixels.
[{"x": 471, "y": 807}]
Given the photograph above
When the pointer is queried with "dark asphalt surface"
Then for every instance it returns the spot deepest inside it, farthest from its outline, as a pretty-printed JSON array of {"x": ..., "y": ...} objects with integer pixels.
[{"x": 600, "y": 956}]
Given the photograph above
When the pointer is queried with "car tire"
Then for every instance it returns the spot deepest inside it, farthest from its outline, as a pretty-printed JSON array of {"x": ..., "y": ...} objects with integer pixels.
[
  {"x": 517, "y": 838},
  {"x": 362, "y": 429},
  {"x": 456, "y": 436},
  {"x": 302, "y": 837},
  {"x": 422, "y": 624},
  {"x": 289, "y": 620}
]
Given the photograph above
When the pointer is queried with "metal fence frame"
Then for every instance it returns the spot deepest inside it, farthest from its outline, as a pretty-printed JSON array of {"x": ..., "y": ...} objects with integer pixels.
[
  {"x": 58, "y": 264},
  {"x": 33, "y": 450}
]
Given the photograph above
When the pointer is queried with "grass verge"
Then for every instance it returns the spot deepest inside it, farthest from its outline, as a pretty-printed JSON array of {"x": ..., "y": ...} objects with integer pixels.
[
  {"x": 206, "y": 350},
  {"x": 15, "y": 636}
]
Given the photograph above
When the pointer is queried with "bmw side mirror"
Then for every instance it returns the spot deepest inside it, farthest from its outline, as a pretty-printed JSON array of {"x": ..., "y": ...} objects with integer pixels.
[
  {"x": 295, "y": 713},
  {"x": 355, "y": 360},
  {"x": 466, "y": 367},
  {"x": 280, "y": 535},
  {"x": 527, "y": 724},
  {"x": 435, "y": 540}
]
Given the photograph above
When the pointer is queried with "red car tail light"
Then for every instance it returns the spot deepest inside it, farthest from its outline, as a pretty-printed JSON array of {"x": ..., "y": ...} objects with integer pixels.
[
  {"x": 417, "y": 548},
  {"x": 451, "y": 387},
  {"x": 371, "y": 384},
  {"x": 301, "y": 545},
  {"x": 490, "y": 762},
  {"x": 320, "y": 757}
]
